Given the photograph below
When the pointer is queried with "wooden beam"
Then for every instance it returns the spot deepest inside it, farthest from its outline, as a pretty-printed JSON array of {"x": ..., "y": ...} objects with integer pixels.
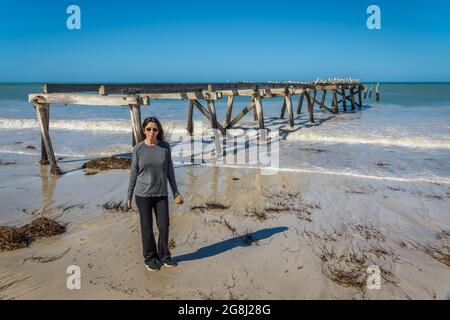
[
  {"x": 240, "y": 115},
  {"x": 259, "y": 111},
  {"x": 365, "y": 92},
  {"x": 41, "y": 114},
  {"x": 135, "y": 88},
  {"x": 84, "y": 99},
  {"x": 229, "y": 109},
  {"x": 208, "y": 115},
  {"x": 370, "y": 92},
  {"x": 322, "y": 105}
]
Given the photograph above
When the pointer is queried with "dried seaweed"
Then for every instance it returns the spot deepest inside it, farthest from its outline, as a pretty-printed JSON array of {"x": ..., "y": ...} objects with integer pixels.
[
  {"x": 108, "y": 164},
  {"x": 210, "y": 205},
  {"x": 12, "y": 238}
]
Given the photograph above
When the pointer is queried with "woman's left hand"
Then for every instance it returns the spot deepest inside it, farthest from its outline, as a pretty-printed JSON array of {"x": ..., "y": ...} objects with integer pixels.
[{"x": 179, "y": 199}]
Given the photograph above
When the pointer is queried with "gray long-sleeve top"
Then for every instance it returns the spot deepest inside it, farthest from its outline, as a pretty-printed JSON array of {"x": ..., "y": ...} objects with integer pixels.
[{"x": 151, "y": 167}]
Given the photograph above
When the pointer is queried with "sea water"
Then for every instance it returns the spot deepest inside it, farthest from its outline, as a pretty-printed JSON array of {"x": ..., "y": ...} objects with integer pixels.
[{"x": 405, "y": 136}]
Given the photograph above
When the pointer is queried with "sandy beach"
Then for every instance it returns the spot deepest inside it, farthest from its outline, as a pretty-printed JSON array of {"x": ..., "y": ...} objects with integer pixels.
[
  {"x": 302, "y": 168},
  {"x": 239, "y": 235}
]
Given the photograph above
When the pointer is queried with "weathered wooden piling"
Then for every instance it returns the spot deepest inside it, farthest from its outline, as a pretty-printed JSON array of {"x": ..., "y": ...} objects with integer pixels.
[
  {"x": 288, "y": 101},
  {"x": 359, "y": 99},
  {"x": 136, "y": 123},
  {"x": 229, "y": 109},
  {"x": 335, "y": 101},
  {"x": 344, "y": 98},
  {"x": 42, "y": 116},
  {"x": 46, "y": 120},
  {"x": 300, "y": 103},
  {"x": 190, "y": 123},
  {"x": 310, "y": 107},
  {"x": 324, "y": 94}
]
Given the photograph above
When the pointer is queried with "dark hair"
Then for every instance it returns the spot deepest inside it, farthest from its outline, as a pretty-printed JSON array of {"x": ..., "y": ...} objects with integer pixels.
[{"x": 160, "y": 135}]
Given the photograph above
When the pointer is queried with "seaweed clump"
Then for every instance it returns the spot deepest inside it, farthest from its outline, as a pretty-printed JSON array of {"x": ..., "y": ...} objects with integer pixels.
[
  {"x": 12, "y": 238},
  {"x": 109, "y": 163}
]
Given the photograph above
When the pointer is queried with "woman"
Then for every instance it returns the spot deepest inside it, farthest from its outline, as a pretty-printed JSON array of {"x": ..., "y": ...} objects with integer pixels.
[{"x": 151, "y": 167}]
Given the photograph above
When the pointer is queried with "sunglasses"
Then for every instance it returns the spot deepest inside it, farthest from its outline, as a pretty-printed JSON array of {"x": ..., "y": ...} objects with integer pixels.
[{"x": 151, "y": 129}]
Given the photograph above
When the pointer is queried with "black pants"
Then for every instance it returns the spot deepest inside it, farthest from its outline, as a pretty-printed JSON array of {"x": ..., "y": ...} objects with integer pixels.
[{"x": 160, "y": 205}]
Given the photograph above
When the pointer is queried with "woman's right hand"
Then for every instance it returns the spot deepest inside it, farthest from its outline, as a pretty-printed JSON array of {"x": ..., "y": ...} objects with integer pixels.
[{"x": 129, "y": 204}]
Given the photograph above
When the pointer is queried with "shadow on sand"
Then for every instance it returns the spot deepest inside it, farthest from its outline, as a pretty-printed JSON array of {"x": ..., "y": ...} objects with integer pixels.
[{"x": 222, "y": 246}]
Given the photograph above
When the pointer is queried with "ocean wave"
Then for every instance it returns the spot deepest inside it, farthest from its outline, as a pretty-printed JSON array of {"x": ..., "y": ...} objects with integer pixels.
[
  {"x": 406, "y": 142},
  {"x": 434, "y": 179},
  {"x": 68, "y": 124},
  {"x": 310, "y": 136}
]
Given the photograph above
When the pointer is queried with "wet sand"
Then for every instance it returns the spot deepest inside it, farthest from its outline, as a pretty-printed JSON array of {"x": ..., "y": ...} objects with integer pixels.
[{"x": 239, "y": 235}]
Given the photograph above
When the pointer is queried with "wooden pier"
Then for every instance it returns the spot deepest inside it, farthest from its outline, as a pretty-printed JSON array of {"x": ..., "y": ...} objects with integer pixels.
[{"x": 346, "y": 95}]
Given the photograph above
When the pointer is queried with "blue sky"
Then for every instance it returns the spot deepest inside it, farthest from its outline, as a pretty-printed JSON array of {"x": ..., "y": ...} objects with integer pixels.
[{"x": 212, "y": 41}]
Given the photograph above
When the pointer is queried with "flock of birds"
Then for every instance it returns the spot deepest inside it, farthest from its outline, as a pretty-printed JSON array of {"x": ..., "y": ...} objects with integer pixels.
[{"x": 323, "y": 81}]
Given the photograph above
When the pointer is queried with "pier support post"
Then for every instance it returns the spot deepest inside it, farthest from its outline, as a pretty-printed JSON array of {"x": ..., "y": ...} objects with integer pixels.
[
  {"x": 190, "y": 123},
  {"x": 136, "y": 124},
  {"x": 212, "y": 111},
  {"x": 365, "y": 92},
  {"x": 215, "y": 126},
  {"x": 359, "y": 98},
  {"x": 310, "y": 107},
  {"x": 259, "y": 111},
  {"x": 344, "y": 99},
  {"x": 370, "y": 92},
  {"x": 324, "y": 94},
  {"x": 229, "y": 109},
  {"x": 288, "y": 102},
  {"x": 300, "y": 103},
  {"x": 42, "y": 111},
  {"x": 352, "y": 98},
  {"x": 46, "y": 121},
  {"x": 314, "y": 98},
  {"x": 283, "y": 109},
  {"x": 335, "y": 102}
]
